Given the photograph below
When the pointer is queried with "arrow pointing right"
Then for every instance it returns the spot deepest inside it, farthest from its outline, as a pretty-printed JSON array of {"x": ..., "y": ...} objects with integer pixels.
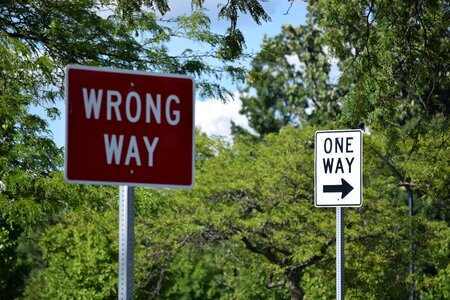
[{"x": 344, "y": 188}]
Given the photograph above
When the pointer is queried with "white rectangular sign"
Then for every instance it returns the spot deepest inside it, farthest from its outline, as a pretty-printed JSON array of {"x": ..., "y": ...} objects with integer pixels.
[{"x": 338, "y": 168}]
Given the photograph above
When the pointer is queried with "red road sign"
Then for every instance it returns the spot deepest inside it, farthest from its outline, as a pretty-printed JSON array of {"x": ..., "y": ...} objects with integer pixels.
[{"x": 129, "y": 127}]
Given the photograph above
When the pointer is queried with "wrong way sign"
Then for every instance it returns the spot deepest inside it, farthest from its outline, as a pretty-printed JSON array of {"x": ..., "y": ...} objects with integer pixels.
[
  {"x": 338, "y": 168},
  {"x": 129, "y": 127}
]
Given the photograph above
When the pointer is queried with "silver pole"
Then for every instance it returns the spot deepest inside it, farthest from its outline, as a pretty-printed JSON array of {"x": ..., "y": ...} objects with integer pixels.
[
  {"x": 411, "y": 244},
  {"x": 340, "y": 286},
  {"x": 126, "y": 243}
]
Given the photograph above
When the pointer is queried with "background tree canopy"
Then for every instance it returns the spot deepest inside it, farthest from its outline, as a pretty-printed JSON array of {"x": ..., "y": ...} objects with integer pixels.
[{"x": 248, "y": 230}]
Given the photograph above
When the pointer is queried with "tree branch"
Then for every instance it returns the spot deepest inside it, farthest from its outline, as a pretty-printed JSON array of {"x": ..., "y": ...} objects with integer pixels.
[
  {"x": 265, "y": 251},
  {"x": 271, "y": 285},
  {"x": 318, "y": 257},
  {"x": 390, "y": 165}
]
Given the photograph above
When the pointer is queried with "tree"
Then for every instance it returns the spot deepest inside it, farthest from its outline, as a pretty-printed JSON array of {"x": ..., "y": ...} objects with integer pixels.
[
  {"x": 395, "y": 61},
  {"x": 396, "y": 55},
  {"x": 254, "y": 201},
  {"x": 247, "y": 230},
  {"x": 397, "y": 90},
  {"x": 289, "y": 83},
  {"x": 28, "y": 155},
  {"x": 79, "y": 255},
  {"x": 124, "y": 34},
  {"x": 37, "y": 39},
  {"x": 251, "y": 211}
]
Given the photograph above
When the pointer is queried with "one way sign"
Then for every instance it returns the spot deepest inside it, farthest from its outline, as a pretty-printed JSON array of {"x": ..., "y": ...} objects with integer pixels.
[{"x": 338, "y": 168}]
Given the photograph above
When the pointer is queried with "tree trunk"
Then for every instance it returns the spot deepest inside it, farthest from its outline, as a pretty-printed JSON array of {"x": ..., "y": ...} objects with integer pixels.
[{"x": 293, "y": 284}]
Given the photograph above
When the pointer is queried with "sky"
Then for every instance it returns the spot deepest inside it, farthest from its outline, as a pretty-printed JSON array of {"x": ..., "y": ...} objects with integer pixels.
[{"x": 212, "y": 115}]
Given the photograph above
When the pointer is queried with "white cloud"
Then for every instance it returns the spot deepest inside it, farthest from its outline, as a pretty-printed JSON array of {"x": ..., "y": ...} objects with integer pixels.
[
  {"x": 294, "y": 61},
  {"x": 214, "y": 117},
  {"x": 335, "y": 73}
]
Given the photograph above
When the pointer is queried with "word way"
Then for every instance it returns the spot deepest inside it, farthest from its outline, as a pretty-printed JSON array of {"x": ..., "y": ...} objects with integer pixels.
[{"x": 114, "y": 147}]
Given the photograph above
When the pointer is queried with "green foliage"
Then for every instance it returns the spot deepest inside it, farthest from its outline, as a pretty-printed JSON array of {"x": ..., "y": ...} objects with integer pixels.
[
  {"x": 124, "y": 34},
  {"x": 28, "y": 207},
  {"x": 79, "y": 254},
  {"x": 8, "y": 265},
  {"x": 196, "y": 274},
  {"x": 232, "y": 45},
  {"x": 395, "y": 56},
  {"x": 289, "y": 83},
  {"x": 28, "y": 155},
  {"x": 428, "y": 167},
  {"x": 232, "y": 9},
  {"x": 37, "y": 39},
  {"x": 261, "y": 214},
  {"x": 248, "y": 230}
]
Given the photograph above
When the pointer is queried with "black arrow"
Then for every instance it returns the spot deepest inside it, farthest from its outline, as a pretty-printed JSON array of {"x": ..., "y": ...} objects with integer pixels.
[{"x": 344, "y": 188}]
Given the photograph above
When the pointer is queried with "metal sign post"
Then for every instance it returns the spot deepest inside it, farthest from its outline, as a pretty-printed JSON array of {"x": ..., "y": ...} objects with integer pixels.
[
  {"x": 340, "y": 288},
  {"x": 411, "y": 244},
  {"x": 338, "y": 183},
  {"x": 126, "y": 243},
  {"x": 126, "y": 127}
]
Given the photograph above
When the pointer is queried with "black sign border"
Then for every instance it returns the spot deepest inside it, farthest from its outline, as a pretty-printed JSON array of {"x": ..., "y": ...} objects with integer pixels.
[{"x": 361, "y": 164}]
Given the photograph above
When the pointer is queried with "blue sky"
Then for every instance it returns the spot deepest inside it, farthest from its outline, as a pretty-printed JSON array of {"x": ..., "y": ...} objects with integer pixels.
[{"x": 213, "y": 116}]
